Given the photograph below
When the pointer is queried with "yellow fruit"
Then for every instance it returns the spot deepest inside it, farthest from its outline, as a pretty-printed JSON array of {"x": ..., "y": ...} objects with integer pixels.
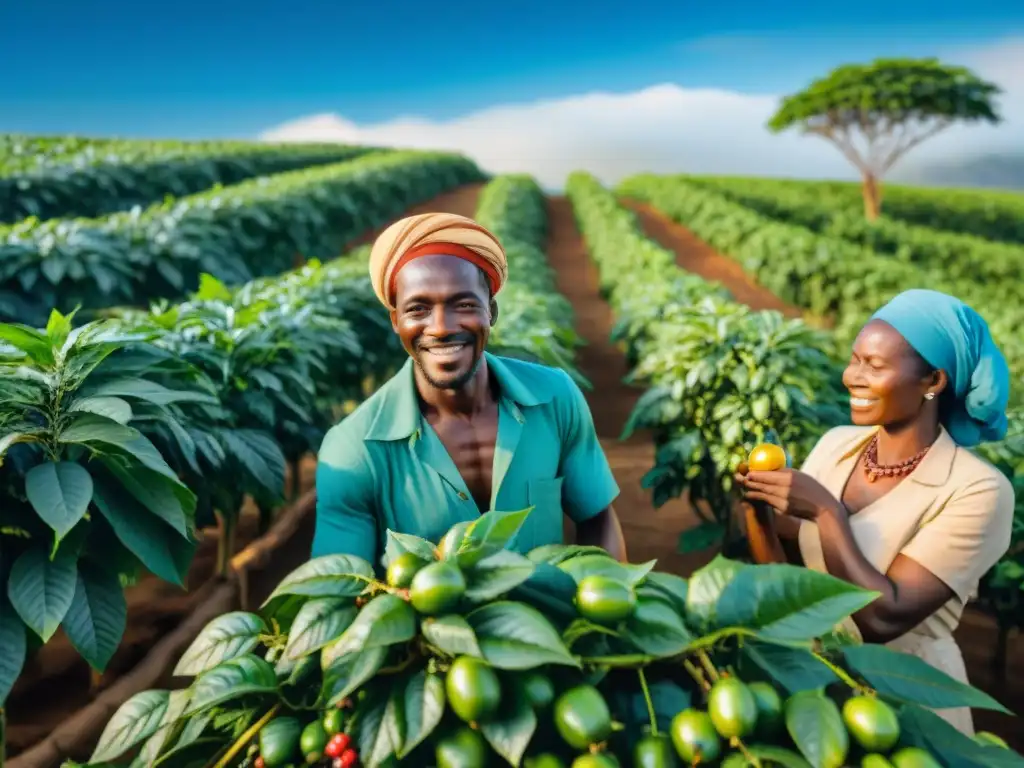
[
  {"x": 872, "y": 723},
  {"x": 766, "y": 457},
  {"x": 402, "y": 570}
]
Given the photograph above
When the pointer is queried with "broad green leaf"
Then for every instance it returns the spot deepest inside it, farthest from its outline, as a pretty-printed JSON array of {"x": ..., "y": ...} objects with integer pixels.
[
  {"x": 551, "y": 590},
  {"x": 60, "y": 493},
  {"x": 327, "y": 576},
  {"x": 668, "y": 587},
  {"x": 400, "y": 543},
  {"x": 705, "y": 535},
  {"x": 492, "y": 532},
  {"x": 260, "y": 456},
  {"x": 602, "y": 565},
  {"x": 41, "y": 590},
  {"x": 379, "y": 729},
  {"x": 58, "y": 328},
  {"x": 240, "y": 676},
  {"x": 136, "y": 720},
  {"x": 669, "y": 699},
  {"x": 776, "y": 756},
  {"x": 923, "y": 728},
  {"x": 509, "y": 734},
  {"x": 13, "y": 646},
  {"x": 160, "y": 549},
  {"x": 908, "y": 678},
  {"x": 151, "y": 392},
  {"x": 452, "y": 635},
  {"x": 496, "y": 575},
  {"x": 90, "y": 428},
  {"x": 657, "y": 629},
  {"x": 786, "y": 602},
  {"x": 226, "y": 637},
  {"x": 168, "y": 499},
  {"x": 113, "y": 408},
  {"x": 319, "y": 622},
  {"x": 385, "y": 620},
  {"x": 795, "y": 669},
  {"x": 816, "y": 727},
  {"x": 553, "y": 554},
  {"x": 159, "y": 741},
  {"x": 30, "y": 341},
  {"x": 516, "y": 636},
  {"x": 705, "y": 587},
  {"x": 96, "y": 619},
  {"x": 347, "y": 674},
  {"x": 422, "y": 709}
]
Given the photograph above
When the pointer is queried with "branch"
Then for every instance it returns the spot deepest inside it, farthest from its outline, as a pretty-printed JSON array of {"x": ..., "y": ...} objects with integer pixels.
[{"x": 899, "y": 151}]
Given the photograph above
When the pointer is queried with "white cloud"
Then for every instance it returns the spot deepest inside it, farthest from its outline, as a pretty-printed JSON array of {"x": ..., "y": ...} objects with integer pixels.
[{"x": 664, "y": 128}]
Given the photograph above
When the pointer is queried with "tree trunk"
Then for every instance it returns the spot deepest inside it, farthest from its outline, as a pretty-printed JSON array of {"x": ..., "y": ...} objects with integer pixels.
[
  {"x": 226, "y": 528},
  {"x": 872, "y": 191}
]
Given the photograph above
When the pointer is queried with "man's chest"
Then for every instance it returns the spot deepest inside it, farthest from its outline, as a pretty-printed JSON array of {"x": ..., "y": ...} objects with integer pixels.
[{"x": 471, "y": 446}]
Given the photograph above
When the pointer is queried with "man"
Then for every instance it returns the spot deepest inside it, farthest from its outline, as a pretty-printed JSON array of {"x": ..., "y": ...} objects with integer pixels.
[{"x": 458, "y": 431}]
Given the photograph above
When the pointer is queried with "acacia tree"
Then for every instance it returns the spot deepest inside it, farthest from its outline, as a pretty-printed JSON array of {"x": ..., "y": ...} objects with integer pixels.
[{"x": 875, "y": 113}]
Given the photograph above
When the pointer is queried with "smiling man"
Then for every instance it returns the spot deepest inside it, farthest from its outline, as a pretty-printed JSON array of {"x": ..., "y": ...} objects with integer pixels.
[{"x": 458, "y": 431}]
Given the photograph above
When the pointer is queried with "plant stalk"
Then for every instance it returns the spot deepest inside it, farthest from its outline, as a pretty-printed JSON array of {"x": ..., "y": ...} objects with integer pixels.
[
  {"x": 650, "y": 702},
  {"x": 246, "y": 737},
  {"x": 226, "y": 529}
]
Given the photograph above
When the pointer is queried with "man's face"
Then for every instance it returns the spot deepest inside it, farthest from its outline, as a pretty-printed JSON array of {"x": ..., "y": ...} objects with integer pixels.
[{"x": 443, "y": 315}]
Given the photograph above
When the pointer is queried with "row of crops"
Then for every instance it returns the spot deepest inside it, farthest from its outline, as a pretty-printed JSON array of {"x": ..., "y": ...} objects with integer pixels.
[{"x": 805, "y": 243}]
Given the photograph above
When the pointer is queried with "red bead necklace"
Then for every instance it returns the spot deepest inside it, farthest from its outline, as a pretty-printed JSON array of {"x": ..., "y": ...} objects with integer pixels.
[{"x": 874, "y": 470}]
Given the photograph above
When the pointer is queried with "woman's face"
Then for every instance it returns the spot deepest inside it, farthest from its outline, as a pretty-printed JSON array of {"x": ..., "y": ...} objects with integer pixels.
[{"x": 886, "y": 378}]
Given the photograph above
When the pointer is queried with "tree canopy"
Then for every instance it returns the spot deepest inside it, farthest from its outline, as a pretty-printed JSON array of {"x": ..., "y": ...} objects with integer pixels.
[{"x": 875, "y": 113}]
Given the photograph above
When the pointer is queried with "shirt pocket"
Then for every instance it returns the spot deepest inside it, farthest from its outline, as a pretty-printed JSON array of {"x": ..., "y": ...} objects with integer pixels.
[{"x": 545, "y": 521}]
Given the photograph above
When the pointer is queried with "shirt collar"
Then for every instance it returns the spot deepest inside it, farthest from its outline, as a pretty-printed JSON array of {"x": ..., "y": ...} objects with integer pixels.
[{"x": 398, "y": 415}]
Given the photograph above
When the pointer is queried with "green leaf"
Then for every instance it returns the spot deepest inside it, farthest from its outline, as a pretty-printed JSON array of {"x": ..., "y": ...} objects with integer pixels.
[
  {"x": 168, "y": 499},
  {"x": 260, "y": 456},
  {"x": 318, "y": 623},
  {"x": 772, "y": 755},
  {"x": 160, "y": 549},
  {"x": 379, "y": 729},
  {"x": 30, "y": 341},
  {"x": 492, "y": 532},
  {"x": 241, "y": 676},
  {"x": 136, "y": 720},
  {"x": 703, "y": 536},
  {"x": 41, "y": 590},
  {"x": 60, "y": 493},
  {"x": 920, "y": 727},
  {"x": 911, "y": 679},
  {"x": 816, "y": 727},
  {"x": 668, "y": 587},
  {"x": 58, "y": 328},
  {"x": 787, "y": 602},
  {"x": 226, "y": 637},
  {"x": 452, "y": 635},
  {"x": 151, "y": 392},
  {"x": 96, "y": 619},
  {"x": 113, "y": 408},
  {"x": 795, "y": 669},
  {"x": 422, "y": 708},
  {"x": 668, "y": 697},
  {"x": 385, "y": 620},
  {"x": 13, "y": 647},
  {"x": 400, "y": 543},
  {"x": 346, "y": 675},
  {"x": 657, "y": 629},
  {"x": 551, "y": 590},
  {"x": 553, "y": 554},
  {"x": 601, "y": 565},
  {"x": 516, "y": 636},
  {"x": 509, "y": 734},
  {"x": 160, "y": 739},
  {"x": 496, "y": 575},
  {"x": 327, "y": 576},
  {"x": 705, "y": 587},
  {"x": 90, "y": 428}
]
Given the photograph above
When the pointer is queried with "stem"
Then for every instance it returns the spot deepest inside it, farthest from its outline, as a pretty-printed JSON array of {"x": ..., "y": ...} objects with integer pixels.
[
  {"x": 620, "y": 662},
  {"x": 696, "y": 674},
  {"x": 246, "y": 737},
  {"x": 709, "y": 667},
  {"x": 750, "y": 758},
  {"x": 650, "y": 702},
  {"x": 226, "y": 525},
  {"x": 840, "y": 673}
]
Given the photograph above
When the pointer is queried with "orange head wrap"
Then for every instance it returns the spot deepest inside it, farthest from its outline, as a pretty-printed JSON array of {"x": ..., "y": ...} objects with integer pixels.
[{"x": 429, "y": 234}]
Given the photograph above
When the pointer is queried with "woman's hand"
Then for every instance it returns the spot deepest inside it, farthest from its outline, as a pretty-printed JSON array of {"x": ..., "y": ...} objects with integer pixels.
[{"x": 790, "y": 492}]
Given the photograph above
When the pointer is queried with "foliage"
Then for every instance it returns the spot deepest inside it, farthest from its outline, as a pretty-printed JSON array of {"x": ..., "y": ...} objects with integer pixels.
[
  {"x": 115, "y": 176},
  {"x": 535, "y": 320},
  {"x": 512, "y": 671},
  {"x": 87, "y": 499},
  {"x": 720, "y": 375},
  {"x": 828, "y": 276},
  {"x": 251, "y": 229},
  {"x": 958, "y": 257},
  {"x": 889, "y": 106}
]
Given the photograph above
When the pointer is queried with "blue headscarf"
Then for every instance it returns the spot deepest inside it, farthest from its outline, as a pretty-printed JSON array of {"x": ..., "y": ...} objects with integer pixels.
[{"x": 953, "y": 337}]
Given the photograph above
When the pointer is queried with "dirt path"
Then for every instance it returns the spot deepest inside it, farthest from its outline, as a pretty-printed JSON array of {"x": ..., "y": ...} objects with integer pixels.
[
  {"x": 650, "y": 533},
  {"x": 156, "y": 607},
  {"x": 977, "y": 632}
]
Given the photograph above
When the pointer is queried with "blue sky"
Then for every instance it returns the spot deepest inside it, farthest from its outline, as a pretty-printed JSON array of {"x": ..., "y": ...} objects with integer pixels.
[{"x": 230, "y": 68}]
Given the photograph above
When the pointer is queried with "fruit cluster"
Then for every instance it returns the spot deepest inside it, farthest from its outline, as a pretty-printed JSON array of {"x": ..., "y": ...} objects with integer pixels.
[{"x": 285, "y": 742}]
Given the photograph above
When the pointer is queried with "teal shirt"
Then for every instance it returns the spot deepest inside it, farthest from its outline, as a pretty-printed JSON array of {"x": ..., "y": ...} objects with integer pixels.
[{"x": 384, "y": 467}]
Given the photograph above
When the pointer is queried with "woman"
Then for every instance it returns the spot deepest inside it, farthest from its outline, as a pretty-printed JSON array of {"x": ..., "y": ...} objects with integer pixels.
[{"x": 895, "y": 503}]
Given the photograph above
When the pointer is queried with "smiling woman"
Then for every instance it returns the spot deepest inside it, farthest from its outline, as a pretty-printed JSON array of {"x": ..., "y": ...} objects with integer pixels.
[{"x": 896, "y": 503}]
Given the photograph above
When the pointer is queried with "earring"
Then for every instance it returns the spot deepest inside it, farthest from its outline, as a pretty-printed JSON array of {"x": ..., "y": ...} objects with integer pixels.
[{"x": 929, "y": 395}]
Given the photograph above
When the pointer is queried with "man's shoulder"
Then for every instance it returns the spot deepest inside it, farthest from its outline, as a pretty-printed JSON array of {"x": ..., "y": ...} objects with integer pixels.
[
  {"x": 347, "y": 437},
  {"x": 539, "y": 377}
]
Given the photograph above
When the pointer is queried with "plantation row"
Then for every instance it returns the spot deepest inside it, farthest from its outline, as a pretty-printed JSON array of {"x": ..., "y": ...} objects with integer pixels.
[
  {"x": 958, "y": 257},
  {"x": 109, "y": 178},
  {"x": 824, "y": 274},
  {"x": 989, "y": 214},
  {"x": 223, "y": 391},
  {"x": 255, "y": 228}
]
